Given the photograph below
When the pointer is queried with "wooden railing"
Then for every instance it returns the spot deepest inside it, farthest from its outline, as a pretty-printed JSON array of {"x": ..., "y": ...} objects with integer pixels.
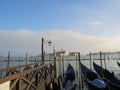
[{"x": 27, "y": 77}]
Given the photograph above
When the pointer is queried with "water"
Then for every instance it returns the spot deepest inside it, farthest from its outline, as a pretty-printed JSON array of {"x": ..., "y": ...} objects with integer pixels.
[{"x": 111, "y": 63}]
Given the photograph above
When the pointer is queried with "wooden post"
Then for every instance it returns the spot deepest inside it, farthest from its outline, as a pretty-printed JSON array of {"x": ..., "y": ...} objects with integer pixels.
[
  {"x": 63, "y": 64},
  {"x": 36, "y": 79},
  {"x": 2, "y": 61},
  {"x": 8, "y": 63},
  {"x": 54, "y": 51},
  {"x": 90, "y": 61},
  {"x": 105, "y": 61},
  {"x": 19, "y": 84},
  {"x": 31, "y": 59},
  {"x": 59, "y": 63},
  {"x": 119, "y": 56},
  {"x": 101, "y": 64},
  {"x": 76, "y": 64},
  {"x": 42, "y": 48},
  {"x": 80, "y": 72},
  {"x": 26, "y": 59},
  {"x": 19, "y": 63},
  {"x": 35, "y": 60}
]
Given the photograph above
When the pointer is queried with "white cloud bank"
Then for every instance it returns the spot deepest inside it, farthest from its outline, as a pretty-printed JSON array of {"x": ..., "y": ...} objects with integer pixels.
[{"x": 22, "y": 41}]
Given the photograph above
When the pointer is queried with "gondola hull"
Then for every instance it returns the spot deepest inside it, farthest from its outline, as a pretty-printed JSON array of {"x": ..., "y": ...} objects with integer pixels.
[
  {"x": 69, "y": 79},
  {"x": 88, "y": 82},
  {"x": 118, "y": 63},
  {"x": 113, "y": 82}
]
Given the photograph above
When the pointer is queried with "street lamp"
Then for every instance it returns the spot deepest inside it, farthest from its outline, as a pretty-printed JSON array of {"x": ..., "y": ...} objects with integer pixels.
[
  {"x": 42, "y": 49},
  {"x": 54, "y": 52}
]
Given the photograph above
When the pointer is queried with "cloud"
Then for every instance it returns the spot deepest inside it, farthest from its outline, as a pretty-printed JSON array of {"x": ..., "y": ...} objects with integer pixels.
[
  {"x": 22, "y": 41},
  {"x": 19, "y": 42},
  {"x": 96, "y": 23}
]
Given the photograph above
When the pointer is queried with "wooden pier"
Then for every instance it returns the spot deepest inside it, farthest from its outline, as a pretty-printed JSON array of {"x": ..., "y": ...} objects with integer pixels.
[{"x": 31, "y": 76}]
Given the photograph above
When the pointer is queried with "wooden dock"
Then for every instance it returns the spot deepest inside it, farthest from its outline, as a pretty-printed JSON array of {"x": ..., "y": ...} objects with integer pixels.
[{"x": 33, "y": 76}]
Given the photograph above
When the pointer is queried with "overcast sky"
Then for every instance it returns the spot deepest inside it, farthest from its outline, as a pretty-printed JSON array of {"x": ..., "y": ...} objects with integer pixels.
[{"x": 72, "y": 25}]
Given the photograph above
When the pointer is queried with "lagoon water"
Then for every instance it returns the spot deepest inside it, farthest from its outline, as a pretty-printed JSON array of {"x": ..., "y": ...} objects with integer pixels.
[{"x": 111, "y": 63}]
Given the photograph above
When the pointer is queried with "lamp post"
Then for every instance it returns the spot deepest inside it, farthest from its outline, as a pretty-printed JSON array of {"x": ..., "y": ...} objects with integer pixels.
[
  {"x": 54, "y": 53},
  {"x": 42, "y": 49}
]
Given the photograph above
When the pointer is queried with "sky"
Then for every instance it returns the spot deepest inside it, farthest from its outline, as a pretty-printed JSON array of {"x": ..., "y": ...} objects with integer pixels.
[{"x": 72, "y": 25}]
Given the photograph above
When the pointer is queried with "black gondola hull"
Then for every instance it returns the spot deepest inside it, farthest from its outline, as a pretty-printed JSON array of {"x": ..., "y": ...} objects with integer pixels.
[
  {"x": 112, "y": 81},
  {"x": 88, "y": 82}
]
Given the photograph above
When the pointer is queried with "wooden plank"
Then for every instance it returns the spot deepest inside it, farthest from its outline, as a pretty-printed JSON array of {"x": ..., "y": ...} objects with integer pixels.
[
  {"x": 28, "y": 81},
  {"x": 15, "y": 67},
  {"x": 8, "y": 78},
  {"x": 13, "y": 85}
]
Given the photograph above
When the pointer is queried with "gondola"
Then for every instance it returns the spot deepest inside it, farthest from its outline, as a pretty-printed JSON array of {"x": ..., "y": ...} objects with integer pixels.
[
  {"x": 118, "y": 63},
  {"x": 69, "y": 78},
  {"x": 88, "y": 81},
  {"x": 113, "y": 82}
]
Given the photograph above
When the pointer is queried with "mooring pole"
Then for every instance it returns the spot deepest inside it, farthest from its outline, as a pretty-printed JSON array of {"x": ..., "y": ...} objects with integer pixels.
[
  {"x": 63, "y": 64},
  {"x": 105, "y": 61},
  {"x": 2, "y": 61},
  {"x": 80, "y": 73},
  {"x": 76, "y": 64},
  {"x": 26, "y": 59},
  {"x": 101, "y": 63},
  {"x": 42, "y": 48},
  {"x": 19, "y": 63},
  {"x": 54, "y": 51},
  {"x": 90, "y": 61},
  {"x": 60, "y": 66},
  {"x": 35, "y": 60},
  {"x": 8, "y": 63}
]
